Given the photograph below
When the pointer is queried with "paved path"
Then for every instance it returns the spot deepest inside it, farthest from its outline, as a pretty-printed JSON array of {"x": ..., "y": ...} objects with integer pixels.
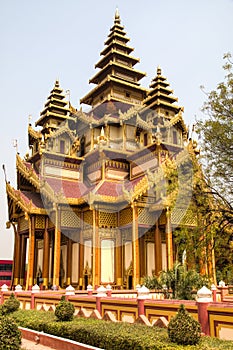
[{"x": 31, "y": 345}]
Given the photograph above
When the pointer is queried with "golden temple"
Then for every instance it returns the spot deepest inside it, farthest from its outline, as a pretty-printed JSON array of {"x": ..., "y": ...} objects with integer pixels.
[{"x": 91, "y": 205}]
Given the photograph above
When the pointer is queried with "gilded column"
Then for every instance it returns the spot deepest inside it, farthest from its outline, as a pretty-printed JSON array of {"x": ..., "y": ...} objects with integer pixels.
[
  {"x": 69, "y": 262},
  {"x": 169, "y": 240},
  {"x": 124, "y": 136},
  {"x": 31, "y": 253},
  {"x": 141, "y": 242},
  {"x": 119, "y": 273},
  {"x": 81, "y": 252},
  {"x": 57, "y": 249},
  {"x": 158, "y": 249},
  {"x": 46, "y": 253},
  {"x": 108, "y": 134},
  {"x": 135, "y": 246},
  {"x": 96, "y": 251},
  {"x": 92, "y": 138},
  {"x": 17, "y": 257},
  {"x": 23, "y": 260}
]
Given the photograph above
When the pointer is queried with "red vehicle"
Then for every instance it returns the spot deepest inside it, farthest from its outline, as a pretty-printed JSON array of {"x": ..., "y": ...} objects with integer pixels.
[{"x": 6, "y": 272}]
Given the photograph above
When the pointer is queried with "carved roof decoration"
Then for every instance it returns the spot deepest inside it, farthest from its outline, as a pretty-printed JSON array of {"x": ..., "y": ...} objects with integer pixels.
[
  {"x": 33, "y": 135},
  {"x": 63, "y": 129},
  {"x": 178, "y": 119},
  {"x": 27, "y": 171}
]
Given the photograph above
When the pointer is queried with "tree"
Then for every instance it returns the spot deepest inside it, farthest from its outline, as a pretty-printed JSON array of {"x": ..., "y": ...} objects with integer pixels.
[{"x": 216, "y": 134}]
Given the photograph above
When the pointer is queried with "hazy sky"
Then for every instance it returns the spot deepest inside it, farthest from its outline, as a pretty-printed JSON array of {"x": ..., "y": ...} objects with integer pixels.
[{"x": 41, "y": 41}]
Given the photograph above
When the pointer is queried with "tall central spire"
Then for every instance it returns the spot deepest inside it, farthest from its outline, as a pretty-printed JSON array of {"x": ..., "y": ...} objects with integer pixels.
[
  {"x": 117, "y": 17},
  {"x": 117, "y": 80}
]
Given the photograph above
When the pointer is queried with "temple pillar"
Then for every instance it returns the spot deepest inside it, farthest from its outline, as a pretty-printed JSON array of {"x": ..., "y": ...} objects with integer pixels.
[
  {"x": 17, "y": 257},
  {"x": 158, "y": 249},
  {"x": 69, "y": 262},
  {"x": 46, "y": 253},
  {"x": 142, "y": 258},
  {"x": 169, "y": 240},
  {"x": 81, "y": 261},
  {"x": 23, "y": 260},
  {"x": 81, "y": 253},
  {"x": 107, "y": 133},
  {"x": 92, "y": 138},
  {"x": 57, "y": 249},
  {"x": 135, "y": 247},
  {"x": 96, "y": 251},
  {"x": 124, "y": 136},
  {"x": 31, "y": 253},
  {"x": 119, "y": 271}
]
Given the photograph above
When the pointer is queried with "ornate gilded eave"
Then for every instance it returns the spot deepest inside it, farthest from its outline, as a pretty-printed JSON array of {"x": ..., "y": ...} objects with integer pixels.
[
  {"x": 161, "y": 95},
  {"x": 137, "y": 73},
  {"x": 40, "y": 184},
  {"x": 158, "y": 102},
  {"x": 29, "y": 174},
  {"x": 108, "y": 79},
  {"x": 131, "y": 112},
  {"x": 114, "y": 51},
  {"x": 63, "y": 129},
  {"x": 116, "y": 42},
  {"x": 52, "y": 105},
  {"x": 33, "y": 133},
  {"x": 16, "y": 196},
  {"x": 49, "y": 114},
  {"x": 178, "y": 119}
]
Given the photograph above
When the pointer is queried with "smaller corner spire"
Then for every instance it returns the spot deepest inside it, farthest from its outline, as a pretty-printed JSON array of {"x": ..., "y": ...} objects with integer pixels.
[{"x": 117, "y": 17}]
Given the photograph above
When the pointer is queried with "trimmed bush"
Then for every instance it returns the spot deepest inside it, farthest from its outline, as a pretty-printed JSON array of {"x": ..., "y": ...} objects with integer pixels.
[
  {"x": 10, "y": 336},
  {"x": 111, "y": 336},
  {"x": 184, "y": 329},
  {"x": 64, "y": 310},
  {"x": 10, "y": 305}
]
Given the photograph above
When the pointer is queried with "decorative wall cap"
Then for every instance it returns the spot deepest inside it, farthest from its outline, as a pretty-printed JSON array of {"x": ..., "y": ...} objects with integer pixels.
[
  {"x": 101, "y": 291},
  {"x": 4, "y": 288},
  {"x": 89, "y": 288},
  {"x": 222, "y": 284},
  {"x": 204, "y": 295},
  {"x": 18, "y": 288},
  {"x": 70, "y": 290},
  {"x": 213, "y": 287},
  {"x": 35, "y": 288},
  {"x": 109, "y": 287},
  {"x": 143, "y": 292}
]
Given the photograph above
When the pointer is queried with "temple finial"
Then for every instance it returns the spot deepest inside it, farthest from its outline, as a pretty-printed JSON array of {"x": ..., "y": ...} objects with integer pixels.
[
  {"x": 117, "y": 17},
  {"x": 56, "y": 84},
  {"x": 159, "y": 70}
]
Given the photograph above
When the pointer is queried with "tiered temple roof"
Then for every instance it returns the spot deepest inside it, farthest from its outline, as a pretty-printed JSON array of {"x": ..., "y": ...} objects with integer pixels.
[
  {"x": 161, "y": 95},
  {"x": 117, "y": 79},
  {"x": 56, "y": 110}
]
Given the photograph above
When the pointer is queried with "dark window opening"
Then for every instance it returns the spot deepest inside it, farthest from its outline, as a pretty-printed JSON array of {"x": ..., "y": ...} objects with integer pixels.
[
  {"x": 175, "y": 137},
  {"x": 82, "y": 146},
  {"x": 62, "y": 146}
]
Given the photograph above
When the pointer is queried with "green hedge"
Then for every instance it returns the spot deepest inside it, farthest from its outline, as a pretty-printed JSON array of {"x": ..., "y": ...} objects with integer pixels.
[
  {"x": 10, "y": 336},
  {"x": 108, "y": 335}
]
